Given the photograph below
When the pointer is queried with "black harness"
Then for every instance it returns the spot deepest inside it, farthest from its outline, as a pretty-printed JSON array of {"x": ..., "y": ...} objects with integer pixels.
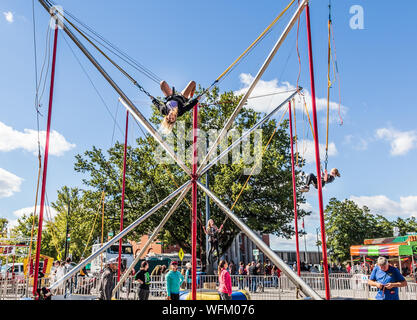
[{"x": 180, "y": 99}]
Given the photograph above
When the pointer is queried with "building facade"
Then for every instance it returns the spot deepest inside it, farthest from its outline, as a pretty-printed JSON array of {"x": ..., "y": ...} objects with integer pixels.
[{"x": 242, "y": 249}]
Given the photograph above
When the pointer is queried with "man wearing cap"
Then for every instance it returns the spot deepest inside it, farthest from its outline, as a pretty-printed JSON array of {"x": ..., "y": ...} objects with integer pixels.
[
  {"x": 174, "y": 279},
  {"x": 387, "y": 279},
  {"x": 106, "y": 285}
]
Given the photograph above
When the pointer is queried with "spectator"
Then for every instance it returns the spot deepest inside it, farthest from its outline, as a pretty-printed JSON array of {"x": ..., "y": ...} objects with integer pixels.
[
  {"x": 260, "y": 273},
  {"x": 247, "y": 277},
  {"x": 276, "y": 273},
  {"x": 387, "y": 279},
  {"x": 164, "y": 271},
  {"x": 405, "y": 271},
  {"x": 144, "y": 281},
  {"x": 59, "y": 273},
  {"x": 156, "y": 270},
  {"x": 174, "y": 279},
  {"x": 68, "y": 265},
  {"x": 314, "y": 269},
  {"x": 225, "y": 281},
  {"x": 232, "y": 268},
  {"x": 54, "y": 270},
  {"x": 339, "y": 267},
  {"x": 242, "y": 276},
  {"x": 106, "y": 285},
  {"x": 348, "y": 268},
  {"x": 188, "y": 275},
  {"x": 356, "y": 268},
  {"x": 268, "y": 268},
  {"x": 252, "y": 277}
]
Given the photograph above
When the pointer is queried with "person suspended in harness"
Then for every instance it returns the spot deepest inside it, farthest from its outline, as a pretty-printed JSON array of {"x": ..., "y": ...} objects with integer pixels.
[
  {"x": 213, "y": 232},
  {"x": 175, "y": 104},
  {"x": 325, "y": 179}
]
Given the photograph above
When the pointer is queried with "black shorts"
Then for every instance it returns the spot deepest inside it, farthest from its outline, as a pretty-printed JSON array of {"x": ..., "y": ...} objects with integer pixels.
[{"x": 175, "y": 296}]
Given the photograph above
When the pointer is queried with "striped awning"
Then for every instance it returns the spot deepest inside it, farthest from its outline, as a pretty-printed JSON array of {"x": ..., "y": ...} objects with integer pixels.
[
  {"x": 382, "y": 250},
  {"x": 396, "y": 240}
]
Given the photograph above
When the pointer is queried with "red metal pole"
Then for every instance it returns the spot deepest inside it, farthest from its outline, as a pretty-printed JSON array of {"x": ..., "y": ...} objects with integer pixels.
[
  {"x": 194, "y": 206},
  {"x": 123, "y": 196},
  {"x": 316, "y": 144},
  {"x": 45, "y": 165},
  {"x": 294, "y": 192}
]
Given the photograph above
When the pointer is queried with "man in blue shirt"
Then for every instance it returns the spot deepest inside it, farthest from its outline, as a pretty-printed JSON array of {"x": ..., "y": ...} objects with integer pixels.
[{"x": 387, "y": 279}]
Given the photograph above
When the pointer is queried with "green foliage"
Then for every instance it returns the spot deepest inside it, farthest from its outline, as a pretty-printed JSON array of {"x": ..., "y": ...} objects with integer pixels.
[
  {"x": 3, "y": 226},
  {"x": 347, "y": 224}
]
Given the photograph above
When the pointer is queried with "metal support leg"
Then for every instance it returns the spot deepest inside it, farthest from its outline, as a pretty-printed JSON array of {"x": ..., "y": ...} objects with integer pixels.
[
  {"x": 263, "y": 247},
  {"x": 152, "y": 238},
  {"x": 120, "y": 235}
]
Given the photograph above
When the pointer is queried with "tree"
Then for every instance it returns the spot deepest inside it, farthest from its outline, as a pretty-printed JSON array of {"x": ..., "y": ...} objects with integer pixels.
[
  {"x": 3, "y": 226},
  {"x": 405, "y": 225},
  {"x": 265, "y": 205},
  {"x": 347, "y": 224}
]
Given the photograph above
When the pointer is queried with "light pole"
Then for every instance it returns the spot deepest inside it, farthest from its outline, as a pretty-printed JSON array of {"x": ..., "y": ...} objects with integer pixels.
[
  {"x": 208, "y": 266},
  {"x": 67, "y": 229},
  {"x": 318, "y": 244}
]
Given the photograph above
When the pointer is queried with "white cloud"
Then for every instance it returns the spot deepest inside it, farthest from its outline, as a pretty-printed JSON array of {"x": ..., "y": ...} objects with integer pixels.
[
  {"x": 380, "y": 204},
  {"x": 9, "y": 16},
  {"x": 401, "y": 141},
  {"x": 358, "y": 143},
  {"x": 48, "y": 213},
  {"x": 9, "y": 183},
  {"x": 28, "y": 140},
  {"x": 268, "y": 103},
  {"x": 307, "y": 150}
]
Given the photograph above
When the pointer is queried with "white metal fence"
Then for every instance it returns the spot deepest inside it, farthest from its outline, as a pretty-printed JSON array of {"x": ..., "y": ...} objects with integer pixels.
[{"x": 342, "y": 285}]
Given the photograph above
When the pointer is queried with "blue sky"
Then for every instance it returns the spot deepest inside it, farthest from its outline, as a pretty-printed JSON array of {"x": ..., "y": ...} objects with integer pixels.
[{"x": 374, "y": 149}]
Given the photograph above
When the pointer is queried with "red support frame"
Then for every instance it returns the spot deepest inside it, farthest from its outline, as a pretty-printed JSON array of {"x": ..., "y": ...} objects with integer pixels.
[
  {"x": 45, "y": 165},
  {"x": 317, "y": 150},
  {"x": 123, "y": 196},
  {"x": 294, "y": 191},
  {"x": 194, "y": 206}
]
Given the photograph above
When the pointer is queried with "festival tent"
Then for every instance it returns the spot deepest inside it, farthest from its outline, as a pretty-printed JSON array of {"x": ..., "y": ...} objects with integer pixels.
[
  {"x": 382, "y": 250},
  {"x": 401, "y": 246},
  {"x": 396, "y": 240}
]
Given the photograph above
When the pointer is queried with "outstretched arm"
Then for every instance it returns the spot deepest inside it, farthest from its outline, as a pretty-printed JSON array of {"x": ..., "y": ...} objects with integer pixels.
[
  {"x": 221, "y": 227},
  {"x": 326, "y": 175},
  {"x": 189, "y": 105}
]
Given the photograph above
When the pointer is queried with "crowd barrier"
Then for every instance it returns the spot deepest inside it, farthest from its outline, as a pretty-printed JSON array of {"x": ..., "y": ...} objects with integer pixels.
[{"x": 342, "y": 285}]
